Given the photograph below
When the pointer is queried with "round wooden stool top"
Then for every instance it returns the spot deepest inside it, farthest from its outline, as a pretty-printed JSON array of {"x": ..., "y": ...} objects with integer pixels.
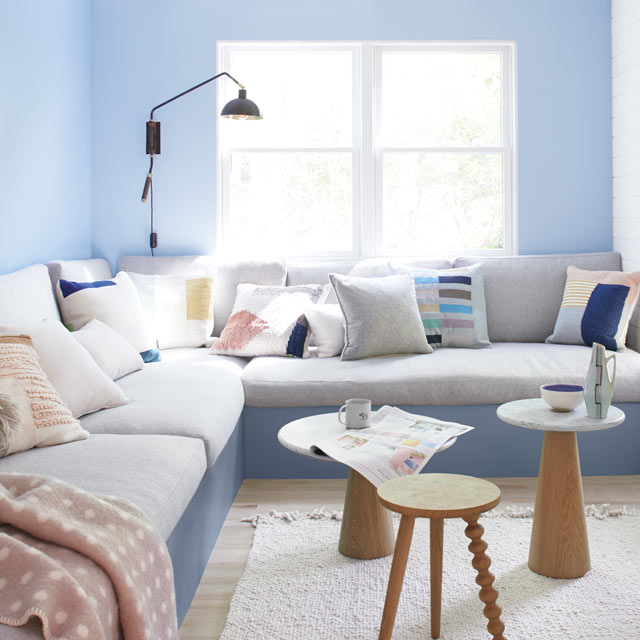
[{"x": 438, "y": 495}]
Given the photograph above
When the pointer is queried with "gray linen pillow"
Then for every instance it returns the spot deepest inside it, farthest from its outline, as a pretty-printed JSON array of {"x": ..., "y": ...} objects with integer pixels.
[{"x": 381, "y": 316}]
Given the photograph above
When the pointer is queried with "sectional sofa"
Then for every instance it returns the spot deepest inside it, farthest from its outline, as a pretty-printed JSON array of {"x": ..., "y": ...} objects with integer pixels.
[{"x": 198, "y": 424}]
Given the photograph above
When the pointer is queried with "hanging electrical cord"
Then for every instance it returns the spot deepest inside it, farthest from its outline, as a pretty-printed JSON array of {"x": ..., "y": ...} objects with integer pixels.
[
  {"x": 153, "y": 238},
  {"x": 148, "y": 190}
]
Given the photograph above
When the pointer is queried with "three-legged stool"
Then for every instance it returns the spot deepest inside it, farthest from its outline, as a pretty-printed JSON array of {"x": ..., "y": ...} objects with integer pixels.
[{"x": 438, "y": 496}]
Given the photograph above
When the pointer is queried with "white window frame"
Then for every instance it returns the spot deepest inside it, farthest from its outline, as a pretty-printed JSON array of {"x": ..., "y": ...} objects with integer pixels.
[{"x": 367, "y": 151}]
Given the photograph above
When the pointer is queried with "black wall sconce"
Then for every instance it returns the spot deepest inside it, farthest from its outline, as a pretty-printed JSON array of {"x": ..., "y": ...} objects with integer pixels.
[{"x": 241, "y": 108}]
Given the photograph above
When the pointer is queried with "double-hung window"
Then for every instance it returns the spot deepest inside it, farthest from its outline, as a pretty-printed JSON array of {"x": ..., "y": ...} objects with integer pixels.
[{"x": 368, "y": 149}]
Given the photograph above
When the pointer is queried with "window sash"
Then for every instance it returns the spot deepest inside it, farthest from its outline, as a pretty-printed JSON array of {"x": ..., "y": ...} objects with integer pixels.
[
  {"x": 367, "y": 152},
  {"x": 354, "y": 251}
]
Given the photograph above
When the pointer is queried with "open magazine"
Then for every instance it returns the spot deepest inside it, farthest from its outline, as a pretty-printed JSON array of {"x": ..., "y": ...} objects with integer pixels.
[{"x": 396, "y": 444}]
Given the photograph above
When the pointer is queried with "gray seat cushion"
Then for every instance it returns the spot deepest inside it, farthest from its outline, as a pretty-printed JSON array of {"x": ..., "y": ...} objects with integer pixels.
[
  {"x": 159, "y": 474},
  {"x": 79, "y": 270},
  {"x": 168, "y": 265},
  {"x": 190, "y": 393},
  {"x": 229, "y": 274},
  {"x": 523, "y": 293},
  {"x": 506, "y": 371}
]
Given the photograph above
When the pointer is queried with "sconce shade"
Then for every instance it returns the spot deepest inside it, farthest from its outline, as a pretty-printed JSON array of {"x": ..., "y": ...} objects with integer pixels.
[{"x": 241, "y": 108}]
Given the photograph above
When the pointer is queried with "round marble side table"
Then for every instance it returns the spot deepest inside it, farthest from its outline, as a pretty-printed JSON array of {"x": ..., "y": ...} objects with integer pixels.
[
  {"x": 559, "y": 544},
  {"x": 367, "y": 529}
]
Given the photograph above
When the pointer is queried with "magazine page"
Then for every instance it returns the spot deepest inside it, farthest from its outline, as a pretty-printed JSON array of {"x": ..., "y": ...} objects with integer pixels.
[{"x": 397, "y": 444}]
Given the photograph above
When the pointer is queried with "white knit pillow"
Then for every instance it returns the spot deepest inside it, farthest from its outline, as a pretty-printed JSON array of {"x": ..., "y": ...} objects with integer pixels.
[
  {"x": 115, "y": 356},
  {"x": 83, "y": 387}
]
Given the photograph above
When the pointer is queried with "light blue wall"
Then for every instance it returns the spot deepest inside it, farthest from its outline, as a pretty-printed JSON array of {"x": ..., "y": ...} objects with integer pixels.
[
  {"x": 45, "y": 131},
  {"x": 144, "y": 51}
]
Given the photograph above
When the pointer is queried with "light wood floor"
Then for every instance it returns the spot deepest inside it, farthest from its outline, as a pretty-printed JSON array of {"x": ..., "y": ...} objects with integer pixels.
[{"x": 208, "y": 611}]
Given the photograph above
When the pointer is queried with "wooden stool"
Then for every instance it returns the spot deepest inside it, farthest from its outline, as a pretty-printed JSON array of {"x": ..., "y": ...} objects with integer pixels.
[{"x": 438, "y": 496}]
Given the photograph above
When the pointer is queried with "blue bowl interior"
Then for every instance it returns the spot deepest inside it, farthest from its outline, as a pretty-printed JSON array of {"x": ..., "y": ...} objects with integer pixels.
[{"x": 565, "y": 388}]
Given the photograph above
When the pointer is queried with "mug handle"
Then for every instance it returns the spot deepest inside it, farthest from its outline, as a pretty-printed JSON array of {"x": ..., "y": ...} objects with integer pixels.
[
  {"x": 606, "y": 360},
  {"x": 340, "y": 410}
]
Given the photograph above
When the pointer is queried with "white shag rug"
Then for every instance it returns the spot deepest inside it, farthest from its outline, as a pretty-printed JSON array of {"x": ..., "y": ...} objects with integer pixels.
[{"x": 296, "y": 584}]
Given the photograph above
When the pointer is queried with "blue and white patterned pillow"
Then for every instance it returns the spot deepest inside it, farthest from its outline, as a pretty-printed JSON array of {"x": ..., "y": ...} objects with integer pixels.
[
  {"x": 451, "y": 304},
  {"x": 596, "y": 307},
  {"x": 115, "y": 303}
]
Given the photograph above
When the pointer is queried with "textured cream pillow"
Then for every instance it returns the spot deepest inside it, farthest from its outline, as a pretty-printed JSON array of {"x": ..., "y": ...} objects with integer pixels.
[
  {"x": 32, "y": 413},
  {"x": 83, "y": 387}
]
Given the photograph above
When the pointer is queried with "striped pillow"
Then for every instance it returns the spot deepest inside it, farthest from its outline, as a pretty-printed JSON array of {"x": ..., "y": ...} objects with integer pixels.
[
  {"x": 596, "y": 307},
  {"x": 451, "y": 304}
]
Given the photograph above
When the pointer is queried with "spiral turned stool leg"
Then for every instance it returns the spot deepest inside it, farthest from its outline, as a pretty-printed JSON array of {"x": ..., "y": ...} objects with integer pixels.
[{"x": 481, "y": 563}]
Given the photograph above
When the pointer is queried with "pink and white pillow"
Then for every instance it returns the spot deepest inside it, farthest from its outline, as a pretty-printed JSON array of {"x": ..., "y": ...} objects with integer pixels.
[{"x": 268, "y": 321}]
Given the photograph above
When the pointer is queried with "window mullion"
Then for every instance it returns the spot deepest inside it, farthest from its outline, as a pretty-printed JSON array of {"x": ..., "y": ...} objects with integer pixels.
[
  {"x": 378, "y": 154},
  {"x": 367, "y": 151}
]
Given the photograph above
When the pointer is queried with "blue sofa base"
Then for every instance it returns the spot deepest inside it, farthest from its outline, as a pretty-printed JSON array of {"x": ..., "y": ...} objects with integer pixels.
[
  {"x": 492, "y": 449},
  {"x": 192, "y": 541}
]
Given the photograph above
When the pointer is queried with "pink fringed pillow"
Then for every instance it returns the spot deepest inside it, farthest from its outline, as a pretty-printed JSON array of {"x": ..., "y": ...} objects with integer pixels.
[{"x": 32, "y": 413}]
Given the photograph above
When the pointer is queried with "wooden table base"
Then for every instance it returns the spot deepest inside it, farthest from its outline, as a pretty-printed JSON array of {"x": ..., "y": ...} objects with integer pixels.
[
  {"x": 367, "y": 528},
  {"x": 559, "y": 545}
]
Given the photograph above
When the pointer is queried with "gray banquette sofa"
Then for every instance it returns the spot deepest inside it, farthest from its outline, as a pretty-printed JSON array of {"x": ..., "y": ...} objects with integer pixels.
[{"x": 198, "y": 424}]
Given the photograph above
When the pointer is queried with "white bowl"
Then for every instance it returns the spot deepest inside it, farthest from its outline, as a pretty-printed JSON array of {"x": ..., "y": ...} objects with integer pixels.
[{"x": 562, "y": 397}]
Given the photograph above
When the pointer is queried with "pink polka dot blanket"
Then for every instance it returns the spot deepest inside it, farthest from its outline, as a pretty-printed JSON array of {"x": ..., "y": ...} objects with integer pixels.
[{"x": 88, "y": 566}]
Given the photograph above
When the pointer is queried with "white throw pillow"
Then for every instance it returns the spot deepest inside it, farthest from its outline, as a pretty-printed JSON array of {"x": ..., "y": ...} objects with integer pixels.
[
  {"x": 114, "y": 302},
  {"x": 27, "y": 296},
  {"x": 326, "y": 322},
  {"x": 83, "y": 387},
  {"x": 110, "y": 351},
  {"x": 179, "y": 309}
]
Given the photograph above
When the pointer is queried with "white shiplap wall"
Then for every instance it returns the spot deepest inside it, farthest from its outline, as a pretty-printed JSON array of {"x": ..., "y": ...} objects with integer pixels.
[{"x": 625, "y": 70}]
